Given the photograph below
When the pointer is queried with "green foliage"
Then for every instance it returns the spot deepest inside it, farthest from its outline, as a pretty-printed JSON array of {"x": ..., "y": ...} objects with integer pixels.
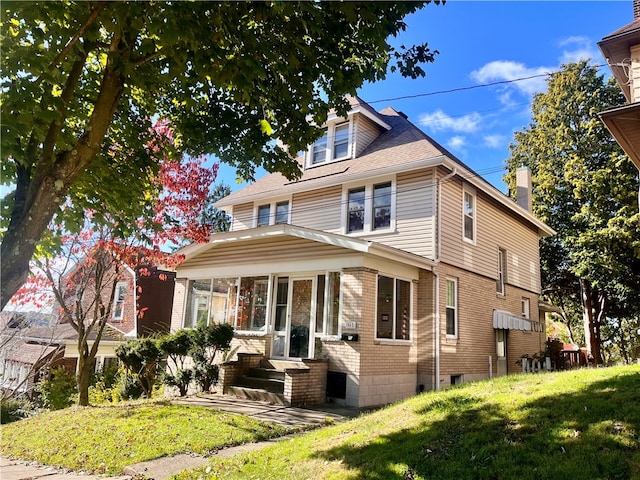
[
  {"x": 176, "y": 347},
  {"x": 13, "y": 409},
  {"x": 57, "y": 392},
  {"x": 586, "y": 189},
  {"x": 208, "y": 342},
  {"x": 141, "y": 358},
  {"x": 81, "y": 82},
  {"x": 212, "y": 216}
]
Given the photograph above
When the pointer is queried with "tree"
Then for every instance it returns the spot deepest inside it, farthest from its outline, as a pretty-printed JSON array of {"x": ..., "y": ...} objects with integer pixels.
[
  {"x": 84, "y": 278},
  {"x": 82, "y": 79},
  {"x": 218, "y": 219},
  {"x": 586, "y": 189}
]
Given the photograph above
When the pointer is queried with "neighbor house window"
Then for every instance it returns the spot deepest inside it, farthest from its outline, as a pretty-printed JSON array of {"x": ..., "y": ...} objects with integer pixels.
[
  {"x": 393, "y": 309},
  {"x": 370, "y": 208},
  {"x": 502, "y": 257},
  {"x": 335, "y": 144},
  {"x": 452, "y": 308},
  {"x": 117, "y": 312},
  {"x": 469, "y": 216},
  {"x": 272, "y": 213}
]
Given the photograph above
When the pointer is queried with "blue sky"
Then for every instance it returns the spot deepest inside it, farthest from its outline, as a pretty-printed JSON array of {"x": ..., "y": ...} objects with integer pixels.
[{"x": 484, "y": 42}]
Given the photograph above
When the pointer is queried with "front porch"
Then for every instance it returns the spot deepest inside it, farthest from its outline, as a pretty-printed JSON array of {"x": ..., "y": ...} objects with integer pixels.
[{"x": 253, "y": 376}]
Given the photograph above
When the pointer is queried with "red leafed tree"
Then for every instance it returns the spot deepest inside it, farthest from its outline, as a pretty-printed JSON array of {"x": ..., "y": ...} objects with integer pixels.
[{"x": 84, "y": 277}]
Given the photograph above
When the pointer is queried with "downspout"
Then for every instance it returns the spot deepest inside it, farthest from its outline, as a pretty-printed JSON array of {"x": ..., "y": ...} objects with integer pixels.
[{"x": 436, "y": 278}]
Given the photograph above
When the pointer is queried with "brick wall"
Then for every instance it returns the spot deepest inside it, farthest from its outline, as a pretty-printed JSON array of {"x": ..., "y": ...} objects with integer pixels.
[
  {"x": 306, "y": 386},
  {"x": 468, "y": 355}
]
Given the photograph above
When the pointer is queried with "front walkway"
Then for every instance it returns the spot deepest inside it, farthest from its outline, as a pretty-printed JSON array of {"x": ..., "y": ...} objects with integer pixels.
[{"x": 287, "y": 416}]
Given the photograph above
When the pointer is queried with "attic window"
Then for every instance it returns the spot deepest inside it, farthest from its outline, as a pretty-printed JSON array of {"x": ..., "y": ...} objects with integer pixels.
[{"x": 334, "y": 145}]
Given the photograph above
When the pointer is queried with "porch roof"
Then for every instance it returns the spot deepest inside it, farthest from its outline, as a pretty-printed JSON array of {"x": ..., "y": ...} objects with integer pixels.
[{"x": 272, "y": 232}]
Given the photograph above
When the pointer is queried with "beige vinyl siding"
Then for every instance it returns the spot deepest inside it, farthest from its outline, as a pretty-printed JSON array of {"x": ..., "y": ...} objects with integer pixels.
[
  {"x": 415, "y": 218},
  {"x": 255, "y": 252},
  {"x": 318, "y": 209},
  {"x": 242, "y": 217},
  {"x": 495, "y": 228},
  {"x": 364, "y": 132}
]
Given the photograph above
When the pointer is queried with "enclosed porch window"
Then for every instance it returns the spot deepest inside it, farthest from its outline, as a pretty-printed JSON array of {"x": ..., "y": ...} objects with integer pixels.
[{"x": 393, "y": 309}]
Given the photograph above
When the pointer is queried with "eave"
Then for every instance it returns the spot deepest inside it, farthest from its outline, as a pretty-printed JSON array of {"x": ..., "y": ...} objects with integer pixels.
[
  {"x": 285, "y": 230},
  {"x": 624, "y": 125}
]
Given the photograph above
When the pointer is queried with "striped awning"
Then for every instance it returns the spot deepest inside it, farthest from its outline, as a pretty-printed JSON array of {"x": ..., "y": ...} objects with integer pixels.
[{"x": 508, "y": 321}]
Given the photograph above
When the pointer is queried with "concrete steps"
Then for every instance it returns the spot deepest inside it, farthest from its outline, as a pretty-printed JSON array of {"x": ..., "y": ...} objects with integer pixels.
[
  {"x": 266, "y": 382},
  {"x": 257, "y": 394}
]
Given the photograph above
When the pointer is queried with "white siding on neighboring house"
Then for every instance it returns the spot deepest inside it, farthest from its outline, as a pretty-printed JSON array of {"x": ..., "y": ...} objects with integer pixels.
[
  {"x": 242, "y": 218},
  {"x": 318, "y": 209}
]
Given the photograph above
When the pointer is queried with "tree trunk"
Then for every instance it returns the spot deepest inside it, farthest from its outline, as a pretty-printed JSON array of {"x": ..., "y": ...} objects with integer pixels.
[
  {"x": 592, "y": 312},
  {"x": 40, "y": 191},
  {"x": 83, "y": 376}
]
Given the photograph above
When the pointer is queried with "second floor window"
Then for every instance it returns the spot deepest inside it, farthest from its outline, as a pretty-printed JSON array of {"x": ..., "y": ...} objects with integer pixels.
[
  {"x": 335, "y": 144},
  {"x": 469, "y": 216},
  {"x": 272, "y": 213},
  {"x": 370, "y": 208}
]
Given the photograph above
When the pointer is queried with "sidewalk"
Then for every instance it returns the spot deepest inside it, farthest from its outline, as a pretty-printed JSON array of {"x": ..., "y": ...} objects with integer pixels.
[{"x": 165, "y": 467}]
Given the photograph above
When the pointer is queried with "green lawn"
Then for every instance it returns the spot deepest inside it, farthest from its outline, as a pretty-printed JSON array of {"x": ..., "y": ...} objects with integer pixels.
[
  {"x": 106, "y": 439},
  {"x": 581, "y": 424}
]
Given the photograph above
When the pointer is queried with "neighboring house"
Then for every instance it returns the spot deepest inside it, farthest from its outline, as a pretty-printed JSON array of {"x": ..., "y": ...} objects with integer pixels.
[
  {"x": 621, "y": 49},
  {"x": 141, "y": 307},
  {"x": 387, "y": 269},
  {"x": 32, "y": 344}
]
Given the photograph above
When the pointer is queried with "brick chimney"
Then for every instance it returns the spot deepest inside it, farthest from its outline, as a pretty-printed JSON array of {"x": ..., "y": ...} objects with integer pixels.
[
  {"x": 523, "y": 186},
  {"x": 636, "y": 9}
]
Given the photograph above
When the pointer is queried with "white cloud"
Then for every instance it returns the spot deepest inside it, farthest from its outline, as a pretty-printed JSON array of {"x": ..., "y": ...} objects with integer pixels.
[
  {"x": 456, "y": 143},
  {"x": 494, "y": 141},
  {"x": 508, "y": 71},
  {"x": 438, "y": 120},
  {"x": 577, "y": 48}
]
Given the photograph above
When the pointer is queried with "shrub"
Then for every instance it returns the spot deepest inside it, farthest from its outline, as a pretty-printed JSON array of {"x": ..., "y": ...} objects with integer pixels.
[
  {"x": 58, "y": 390},
  {"x": 13, "y": 409},
  {"x": 207, "y": 342},
  {"x": 141, "y": 358}
]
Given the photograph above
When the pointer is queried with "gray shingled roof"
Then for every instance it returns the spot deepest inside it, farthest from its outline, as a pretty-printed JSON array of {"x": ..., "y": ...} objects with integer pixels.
[{"x": 403, "y": 144}]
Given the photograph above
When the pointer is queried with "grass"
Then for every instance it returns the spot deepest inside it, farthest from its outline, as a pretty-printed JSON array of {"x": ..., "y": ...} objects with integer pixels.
[
  {"x": 578, "y": 424},
  {"x": 106, "y": 439}
]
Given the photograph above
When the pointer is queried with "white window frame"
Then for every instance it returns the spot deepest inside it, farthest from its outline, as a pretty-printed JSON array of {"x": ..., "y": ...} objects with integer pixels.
[
  {"x": 395, "y": 320},
  {"x": 502, "y": 272},
  {"x": 273, "y": 206},
  {"x": 124, "y": 286},
  {"x": 474, "y": 215},
  {"x": 331, "y": 144},
  {"x": 454, "y": 307},
  {"x": 368, "y": 227}
]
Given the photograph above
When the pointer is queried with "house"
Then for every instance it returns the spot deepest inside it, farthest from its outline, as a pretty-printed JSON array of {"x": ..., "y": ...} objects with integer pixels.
[
  {"x": 32, "y": 343},
  {"x": 387, "y": 269},
  {"x": 621, "y": 49},
  {"x": 141, "y": 307}
]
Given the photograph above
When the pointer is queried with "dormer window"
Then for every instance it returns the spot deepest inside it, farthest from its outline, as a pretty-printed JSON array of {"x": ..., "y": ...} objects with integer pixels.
[{"x": 334, "y": 145}]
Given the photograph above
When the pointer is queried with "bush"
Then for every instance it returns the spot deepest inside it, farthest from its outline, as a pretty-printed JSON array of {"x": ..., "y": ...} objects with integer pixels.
[
  {"x": 58, "y": 390},
  {"x": 13, "y": 409}
]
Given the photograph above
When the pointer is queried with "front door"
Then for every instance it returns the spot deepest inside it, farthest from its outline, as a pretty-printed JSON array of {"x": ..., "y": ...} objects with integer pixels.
[{"x": 294, "y": 318}]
